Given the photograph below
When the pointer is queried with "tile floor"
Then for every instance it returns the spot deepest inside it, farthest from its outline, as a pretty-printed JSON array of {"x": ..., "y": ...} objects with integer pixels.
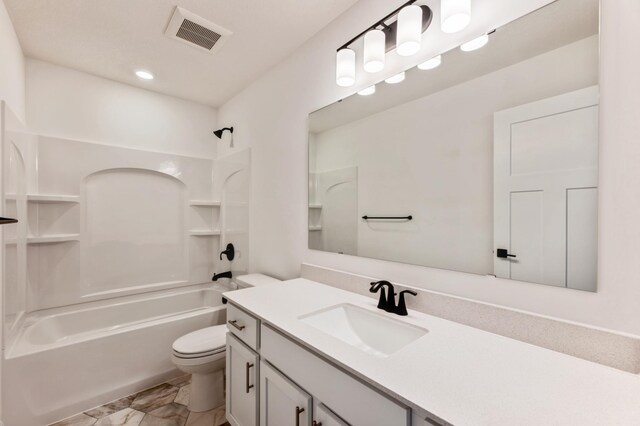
[{"x": 162, "y": 405}]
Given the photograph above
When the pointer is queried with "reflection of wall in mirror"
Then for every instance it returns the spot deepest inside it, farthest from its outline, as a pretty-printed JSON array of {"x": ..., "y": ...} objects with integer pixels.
[
  {"x": 333, "y": 210},
  {"x": 433, "y": 158}
]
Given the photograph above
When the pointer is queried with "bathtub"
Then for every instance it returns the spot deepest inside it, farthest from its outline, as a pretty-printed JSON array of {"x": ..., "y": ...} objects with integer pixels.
[{"x": 67, "y": 360}]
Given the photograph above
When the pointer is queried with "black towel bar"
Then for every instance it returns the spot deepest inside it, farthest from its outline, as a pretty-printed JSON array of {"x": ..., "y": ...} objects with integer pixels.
[{"x": 365, "y": 217}]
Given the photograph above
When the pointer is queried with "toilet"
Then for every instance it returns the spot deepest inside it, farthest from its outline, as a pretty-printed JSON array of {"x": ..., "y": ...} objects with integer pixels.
[{"x": 202, "y": 354}]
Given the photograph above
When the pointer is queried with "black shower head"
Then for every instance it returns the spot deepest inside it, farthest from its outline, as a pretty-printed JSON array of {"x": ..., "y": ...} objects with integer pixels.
[{"x": 219, "y": 132}]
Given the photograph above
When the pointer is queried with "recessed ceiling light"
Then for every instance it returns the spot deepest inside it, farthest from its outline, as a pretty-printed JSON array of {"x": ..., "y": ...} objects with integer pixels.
[
  {"x": 368, "y": 91},
  {"x": 395, "y": 79},
  {"x": 144, "y": 75},
  {"x": 475, "y": 44},
  {"x": 431, "y": 63}
]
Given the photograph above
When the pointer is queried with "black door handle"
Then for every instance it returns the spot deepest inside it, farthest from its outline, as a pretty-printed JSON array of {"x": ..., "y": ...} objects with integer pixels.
[{"x": 504, "y": 253}]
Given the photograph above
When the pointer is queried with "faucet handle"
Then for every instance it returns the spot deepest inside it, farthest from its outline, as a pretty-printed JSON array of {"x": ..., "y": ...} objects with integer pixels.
[{"x": 402, "y": 306}]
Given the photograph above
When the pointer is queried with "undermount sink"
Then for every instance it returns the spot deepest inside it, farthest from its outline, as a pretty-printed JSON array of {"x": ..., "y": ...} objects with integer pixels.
[{"x": 368, "y": 331}]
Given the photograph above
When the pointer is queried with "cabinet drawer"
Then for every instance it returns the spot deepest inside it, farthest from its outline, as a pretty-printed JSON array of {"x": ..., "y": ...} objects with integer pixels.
[
  {"x": 243, "y": 325},
  {"x": 353, "y": 401}
]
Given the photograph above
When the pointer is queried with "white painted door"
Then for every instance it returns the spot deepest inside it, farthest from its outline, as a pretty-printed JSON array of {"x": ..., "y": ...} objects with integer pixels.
[
  {"x": 242, "y": 384},
  {"x": 545, "y": 190},
  {"x": 282, "y": 402},
  {"x": 324, "y": 416}
]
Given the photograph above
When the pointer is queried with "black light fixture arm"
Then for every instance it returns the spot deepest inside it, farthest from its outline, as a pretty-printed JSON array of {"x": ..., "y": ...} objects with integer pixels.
[{"x": 381, "y": 22}]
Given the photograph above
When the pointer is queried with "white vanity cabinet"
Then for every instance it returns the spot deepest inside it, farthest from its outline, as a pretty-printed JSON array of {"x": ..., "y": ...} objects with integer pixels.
[
  {"x": 242, "y": 383},
  {"x": 284, "y": 384},
  {"x": 323, "y": 416},
  {"x": 282, "y": 402}
]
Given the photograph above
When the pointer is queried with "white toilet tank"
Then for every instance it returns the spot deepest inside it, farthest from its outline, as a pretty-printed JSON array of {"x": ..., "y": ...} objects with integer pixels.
[{"x": 254, "y": 280}]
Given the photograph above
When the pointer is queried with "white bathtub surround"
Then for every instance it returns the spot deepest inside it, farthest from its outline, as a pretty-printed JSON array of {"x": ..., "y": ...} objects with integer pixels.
[
  {"x": 456, "y": 373},
  {"x": 120, "y": 346},
  {"x": 617, "y": 350}
]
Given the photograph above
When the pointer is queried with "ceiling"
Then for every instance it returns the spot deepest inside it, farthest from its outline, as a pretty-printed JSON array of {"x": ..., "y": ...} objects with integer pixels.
[
  {"x": 111, "y": 38},
  {"x": 548, "y": 28}
]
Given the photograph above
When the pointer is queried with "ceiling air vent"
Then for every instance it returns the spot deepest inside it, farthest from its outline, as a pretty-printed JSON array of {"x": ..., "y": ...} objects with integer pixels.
[{"x": 196, "y": 31}]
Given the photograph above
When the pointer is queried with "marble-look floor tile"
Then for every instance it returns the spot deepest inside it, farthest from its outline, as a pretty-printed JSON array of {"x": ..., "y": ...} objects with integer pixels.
[
  {"x": 215, "y": 417},
  {"x": 126, "y": 417},
  {"x": 154, "y": 398},
  {"x": 183, "y": 395},
  {"x": 110, "y": 408},
  {"x": 172, "y": 415},
  {"x": 180, "y": 381},
  {"x": 78, "y": 420}
]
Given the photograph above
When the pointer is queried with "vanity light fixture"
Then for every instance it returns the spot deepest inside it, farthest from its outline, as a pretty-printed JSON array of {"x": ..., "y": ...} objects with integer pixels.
[
  {"x": 403, "y": 34},
  {"x": 431, "y": 63},
  {"x": 144, "y": 75},
  {"x": 455, "y": 15},
  {"x": 409, "y": 34},
  {"x": 475, "y": 44},
  {"x": 368, "y": 91},
  {"x": 345, "y": 67},
  {"x": 374, "y": 51},
  {"x": 398, "y": 78}
]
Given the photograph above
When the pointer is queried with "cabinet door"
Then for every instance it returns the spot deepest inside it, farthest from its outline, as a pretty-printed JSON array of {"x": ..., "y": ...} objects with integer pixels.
[
  {"x": 323, "y": 416},
  {"x": 282, "y": 402},
  {"x": 242, "y": 383}
]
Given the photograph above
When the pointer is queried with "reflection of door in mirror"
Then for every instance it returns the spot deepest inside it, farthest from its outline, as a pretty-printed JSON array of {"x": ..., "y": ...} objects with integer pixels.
[{"x": 545, "y": 190}]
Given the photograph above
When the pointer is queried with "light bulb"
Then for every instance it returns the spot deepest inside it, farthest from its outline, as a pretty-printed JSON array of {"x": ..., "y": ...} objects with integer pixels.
[
  {"x": 368, "y": 91},
  {"x": 398, "y": 78},
  {"x": 144, "y": 75},
  {"x": 409, "y": 34},
  {"x": 345, "y": 67},
  {"x": 374, "y": 51},
  {"x": 475, "y": 44},
  {"x": 455, "y": 15},
  {"x": 431, "y": 63}
]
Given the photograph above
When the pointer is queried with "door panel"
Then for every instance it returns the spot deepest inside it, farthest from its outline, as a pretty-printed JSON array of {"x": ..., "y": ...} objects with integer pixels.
[
  {"x": 323, "y": 416},
  {"x": 242, "y": 383},
  {"x": 282, "y": 403},
  {"x": 582, "y": 238},
  {"x": 545, "y": 190}
]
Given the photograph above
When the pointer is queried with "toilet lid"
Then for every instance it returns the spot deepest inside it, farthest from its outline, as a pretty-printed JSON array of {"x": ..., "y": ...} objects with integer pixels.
[{"x": 205, "y": 340}]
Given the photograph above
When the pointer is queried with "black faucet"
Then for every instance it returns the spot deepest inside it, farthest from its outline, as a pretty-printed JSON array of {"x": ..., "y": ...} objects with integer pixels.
[
  {"x": 216, "y": 277},
  {"x": 401, "y": 309},
  {"x": 387, "y": 302}
]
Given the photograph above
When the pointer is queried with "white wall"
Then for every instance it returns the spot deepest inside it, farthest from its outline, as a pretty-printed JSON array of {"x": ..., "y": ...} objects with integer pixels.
[
  {"x": 271, "y": 117},
  {"x": 11, "y": 91},
  {"x": 438, "y": 171},
  {"x": 66, "y": 103},
  {"x": 12, "y": 64}
]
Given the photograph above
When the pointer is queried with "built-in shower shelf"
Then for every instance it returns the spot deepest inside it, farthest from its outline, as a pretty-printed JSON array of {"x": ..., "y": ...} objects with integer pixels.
[
  {"x": 315, "y": 206},
  {"x": 204, "y": 233},
  {"x": 48, "y": 239},
  {"x": 315, "y": 228},
  {"x": 200, "y": 203},
  {"x": 41, "y": 198}
]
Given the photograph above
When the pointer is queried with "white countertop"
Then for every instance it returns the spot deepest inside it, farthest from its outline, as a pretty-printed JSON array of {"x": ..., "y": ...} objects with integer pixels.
[{"x": 457, "y": 373}]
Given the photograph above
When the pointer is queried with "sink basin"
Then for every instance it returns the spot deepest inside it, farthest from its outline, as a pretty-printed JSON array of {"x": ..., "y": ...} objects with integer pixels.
[{"x": 368, "y": 331}]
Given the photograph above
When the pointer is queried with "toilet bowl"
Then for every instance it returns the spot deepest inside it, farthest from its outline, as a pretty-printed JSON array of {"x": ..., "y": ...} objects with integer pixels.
[{"x": 202, "y": 354}]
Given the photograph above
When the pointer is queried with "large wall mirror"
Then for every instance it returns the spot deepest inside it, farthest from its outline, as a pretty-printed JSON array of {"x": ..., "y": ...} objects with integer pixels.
[{"x": 486, "y": 164}]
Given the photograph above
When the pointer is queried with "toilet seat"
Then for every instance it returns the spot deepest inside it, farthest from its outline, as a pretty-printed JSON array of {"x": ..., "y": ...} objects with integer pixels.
[{"x": 201, "y": 343}]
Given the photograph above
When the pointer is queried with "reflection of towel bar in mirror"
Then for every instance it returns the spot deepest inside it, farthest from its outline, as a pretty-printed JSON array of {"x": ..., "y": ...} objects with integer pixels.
[{"x": 365, "y": 217}]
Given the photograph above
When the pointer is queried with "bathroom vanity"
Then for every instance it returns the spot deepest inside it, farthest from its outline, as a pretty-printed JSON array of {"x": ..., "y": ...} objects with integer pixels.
[{"x": 303, "y": 353}]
